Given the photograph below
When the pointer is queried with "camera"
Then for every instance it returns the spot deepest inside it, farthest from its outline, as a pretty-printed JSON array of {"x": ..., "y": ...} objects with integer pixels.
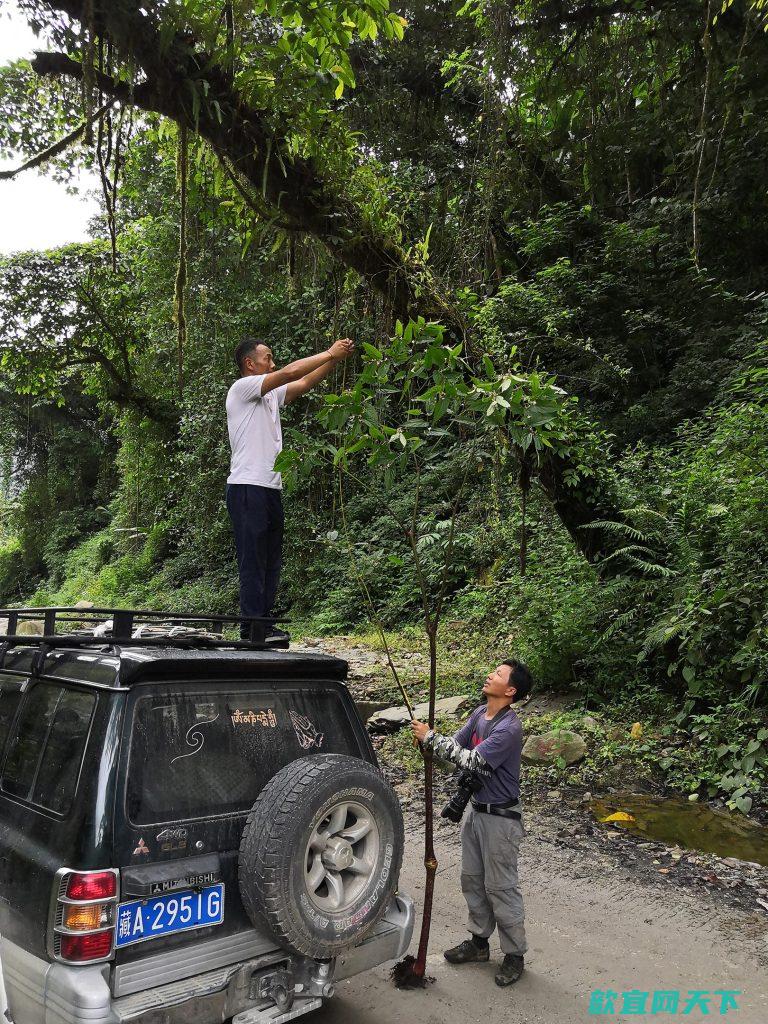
[{"x": 467, "y": 783}]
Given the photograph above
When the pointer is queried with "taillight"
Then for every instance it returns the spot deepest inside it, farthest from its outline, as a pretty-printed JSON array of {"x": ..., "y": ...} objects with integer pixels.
[
  {"x": 82, "y": 923},
  {"x": 86, "y": 947},
  {"x": 92, "y": 885}
]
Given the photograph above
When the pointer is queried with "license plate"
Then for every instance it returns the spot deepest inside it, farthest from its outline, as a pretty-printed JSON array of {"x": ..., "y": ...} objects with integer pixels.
[{"x": 140, "y": 920}]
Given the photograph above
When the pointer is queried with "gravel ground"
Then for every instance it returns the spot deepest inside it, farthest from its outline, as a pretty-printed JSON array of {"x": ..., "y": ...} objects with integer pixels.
[
  {"x": 605, "y": 910},
  {"x": 592, "y": 925}
]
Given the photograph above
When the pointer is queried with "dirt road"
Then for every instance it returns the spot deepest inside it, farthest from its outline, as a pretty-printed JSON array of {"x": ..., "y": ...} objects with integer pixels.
[{"x": 590, "y": 927}]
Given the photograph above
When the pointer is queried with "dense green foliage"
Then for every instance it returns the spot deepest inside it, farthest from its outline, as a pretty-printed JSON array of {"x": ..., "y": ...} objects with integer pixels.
[{"x": 577, "y": 191}]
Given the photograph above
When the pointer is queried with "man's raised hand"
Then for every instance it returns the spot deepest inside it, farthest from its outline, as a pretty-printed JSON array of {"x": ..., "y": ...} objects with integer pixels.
[{"x": 342, "y": 349}]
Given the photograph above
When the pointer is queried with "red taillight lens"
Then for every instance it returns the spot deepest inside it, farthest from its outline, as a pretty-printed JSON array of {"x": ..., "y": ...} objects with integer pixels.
[
  {"x": 86, "y": 947},
  {"x": 93, "y": 885}
]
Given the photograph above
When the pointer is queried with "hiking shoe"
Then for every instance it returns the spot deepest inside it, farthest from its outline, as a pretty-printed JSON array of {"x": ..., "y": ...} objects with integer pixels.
[
  {"x": 467, "y": 952},
  {"x": 510, "y": 969},
  {"x": 277, "y": 634}
]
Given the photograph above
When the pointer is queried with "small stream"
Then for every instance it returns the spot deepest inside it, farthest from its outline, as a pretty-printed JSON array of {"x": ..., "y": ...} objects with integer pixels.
[{"x": 689, "y": 825}]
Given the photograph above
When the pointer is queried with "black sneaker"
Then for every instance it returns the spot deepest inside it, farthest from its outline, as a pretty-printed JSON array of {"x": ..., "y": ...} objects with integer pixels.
[
  {"x": 510, "y": 970},
  {"x": 274, "y": 635},
  {"x": 468, "y": 952}
]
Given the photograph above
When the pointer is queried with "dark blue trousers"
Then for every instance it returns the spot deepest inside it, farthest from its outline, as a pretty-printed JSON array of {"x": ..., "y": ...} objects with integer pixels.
[{"x": 257, "y": 519}]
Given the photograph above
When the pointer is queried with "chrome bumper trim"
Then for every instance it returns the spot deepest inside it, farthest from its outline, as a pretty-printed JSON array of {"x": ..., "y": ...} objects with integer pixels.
[{"x": 388, "y": 941}]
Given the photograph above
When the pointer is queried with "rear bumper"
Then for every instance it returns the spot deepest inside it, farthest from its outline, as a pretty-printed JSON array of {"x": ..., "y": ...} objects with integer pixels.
[{"x": 43, "y": 993}]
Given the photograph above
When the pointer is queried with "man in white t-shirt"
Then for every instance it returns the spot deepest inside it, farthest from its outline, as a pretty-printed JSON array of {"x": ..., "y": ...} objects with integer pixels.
[{"x": 254, "y": 500}]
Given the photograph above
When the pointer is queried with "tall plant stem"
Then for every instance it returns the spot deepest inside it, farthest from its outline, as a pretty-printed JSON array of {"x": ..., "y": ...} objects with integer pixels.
[
  {"x": 430, "y": 860},
  {"x": 363, "y": 586}
]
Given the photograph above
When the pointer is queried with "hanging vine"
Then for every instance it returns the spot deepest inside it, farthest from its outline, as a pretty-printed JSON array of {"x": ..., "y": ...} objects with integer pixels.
[
  {"x": 706, "y": 45},
  {"x": 524, "y": 482},
  {"x": 88, "y": 37},
  {"x": 182, "y": 170},
  {"x": 110, "y": 156}
]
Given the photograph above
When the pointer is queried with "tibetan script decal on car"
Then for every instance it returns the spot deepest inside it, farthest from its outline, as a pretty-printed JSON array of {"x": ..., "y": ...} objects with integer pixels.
[{"x": 267, "y": 718}]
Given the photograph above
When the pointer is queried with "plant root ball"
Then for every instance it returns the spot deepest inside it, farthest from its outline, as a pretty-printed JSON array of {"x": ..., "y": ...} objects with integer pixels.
[{"x": 404, "y": 975}]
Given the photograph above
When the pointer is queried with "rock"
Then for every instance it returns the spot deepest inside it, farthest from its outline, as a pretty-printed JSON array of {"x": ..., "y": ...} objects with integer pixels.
[
  {"x": 389, "y": 719},
  {"x": 544, "y": 749},
  {"x": 555, "y": 794},
  {"x": 734, "y": 862},
  {"x": 586, "y": 797},
  {"x": 589, "y": 724},
  {"x": 392, "y": 719},
  {"x": 84, "y": 604},
  {"x": 30, "y": 627}
]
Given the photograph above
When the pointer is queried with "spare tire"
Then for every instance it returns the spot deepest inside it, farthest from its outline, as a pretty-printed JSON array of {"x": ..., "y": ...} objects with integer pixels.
[{"x": 321, "y": 853}]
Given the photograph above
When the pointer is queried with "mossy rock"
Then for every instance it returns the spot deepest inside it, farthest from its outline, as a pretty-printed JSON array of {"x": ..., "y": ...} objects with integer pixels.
[{"x": 549, "y": 746}]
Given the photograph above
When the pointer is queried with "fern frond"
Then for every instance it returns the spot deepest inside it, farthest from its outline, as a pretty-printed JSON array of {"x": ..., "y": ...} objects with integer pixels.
[
  {"x": 652, "y": 567},
  {"x": 644, "y": 510},
  {"x": 660, "y": 634},
  {"x": 618, "y": 624},
  {"x": 630, "y": 549},
  {"x": 613, "y": 527}
]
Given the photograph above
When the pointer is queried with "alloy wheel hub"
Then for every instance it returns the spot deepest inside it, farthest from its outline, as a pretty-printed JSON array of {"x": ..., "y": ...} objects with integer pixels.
[{"x": 338, "y": 854}]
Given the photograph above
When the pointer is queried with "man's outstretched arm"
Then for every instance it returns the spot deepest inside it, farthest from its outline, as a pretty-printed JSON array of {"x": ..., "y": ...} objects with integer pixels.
[
  {"x": 449, "y": 749},
  {"x": 300, "y": 387}
]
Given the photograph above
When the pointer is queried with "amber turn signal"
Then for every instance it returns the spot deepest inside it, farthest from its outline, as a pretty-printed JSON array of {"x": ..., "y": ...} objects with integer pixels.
[{"x": 83, "y": 919}]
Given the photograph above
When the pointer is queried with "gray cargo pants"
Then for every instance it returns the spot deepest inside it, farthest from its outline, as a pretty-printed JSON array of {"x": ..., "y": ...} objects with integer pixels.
[{"x": 489, "y": 848}]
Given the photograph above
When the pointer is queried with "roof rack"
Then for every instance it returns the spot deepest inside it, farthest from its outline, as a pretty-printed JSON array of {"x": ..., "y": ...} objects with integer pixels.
[{"x": 126, "y": 625}]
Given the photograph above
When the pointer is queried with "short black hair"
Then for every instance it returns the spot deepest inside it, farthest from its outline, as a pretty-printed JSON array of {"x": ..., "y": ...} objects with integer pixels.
[
  {"x": 520, "y": 677},
  {"x": 244, "y": 349}
]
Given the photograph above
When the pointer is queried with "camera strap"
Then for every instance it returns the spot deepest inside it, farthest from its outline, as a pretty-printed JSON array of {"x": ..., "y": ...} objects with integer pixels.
[{"x": 492, "y": 723}]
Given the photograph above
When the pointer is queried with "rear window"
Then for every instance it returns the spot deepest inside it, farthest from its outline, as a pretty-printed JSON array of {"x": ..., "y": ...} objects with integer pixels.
[
  {"x": 46, "y": 752},
  {"x": 195, "y": 755}
]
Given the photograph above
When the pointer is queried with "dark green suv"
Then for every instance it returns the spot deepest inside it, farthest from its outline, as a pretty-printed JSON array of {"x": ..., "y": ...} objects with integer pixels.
[{"x": 191, "y": 829}]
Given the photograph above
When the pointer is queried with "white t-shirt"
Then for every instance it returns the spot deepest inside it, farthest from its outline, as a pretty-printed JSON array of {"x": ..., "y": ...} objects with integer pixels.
[{"x": 255, "y": 436}]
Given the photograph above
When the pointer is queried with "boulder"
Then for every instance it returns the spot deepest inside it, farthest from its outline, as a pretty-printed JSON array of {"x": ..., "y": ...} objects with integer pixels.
[
  {"x": 30, "y": 627},
  {"x": 545, "y": 748},
  {"x": 392, "y": 719},
  {"x": 589, "y": 724},
  {"x": 389, "y": 719}
]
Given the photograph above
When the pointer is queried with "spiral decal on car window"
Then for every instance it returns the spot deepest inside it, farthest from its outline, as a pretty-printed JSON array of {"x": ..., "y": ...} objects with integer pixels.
[{"x": 194, "y": 739}]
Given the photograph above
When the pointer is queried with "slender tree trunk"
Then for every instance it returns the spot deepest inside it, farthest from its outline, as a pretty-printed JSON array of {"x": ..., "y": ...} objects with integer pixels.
[{"x": 430, "y": 860}]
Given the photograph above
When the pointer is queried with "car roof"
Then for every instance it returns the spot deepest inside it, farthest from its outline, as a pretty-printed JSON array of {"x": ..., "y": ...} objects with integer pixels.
[{"x": 115, "y": 666}]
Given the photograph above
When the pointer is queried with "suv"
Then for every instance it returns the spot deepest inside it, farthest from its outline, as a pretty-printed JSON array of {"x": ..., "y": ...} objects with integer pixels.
[{"x": 191, "y": 828}]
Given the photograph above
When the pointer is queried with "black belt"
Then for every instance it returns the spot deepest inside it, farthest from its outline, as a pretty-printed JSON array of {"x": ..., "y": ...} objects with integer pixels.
[{"x": 500, "y": 810}]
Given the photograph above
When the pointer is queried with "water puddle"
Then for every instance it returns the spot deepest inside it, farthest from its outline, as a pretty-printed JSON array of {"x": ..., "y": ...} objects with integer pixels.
[{"x": 682, "y": 823}]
